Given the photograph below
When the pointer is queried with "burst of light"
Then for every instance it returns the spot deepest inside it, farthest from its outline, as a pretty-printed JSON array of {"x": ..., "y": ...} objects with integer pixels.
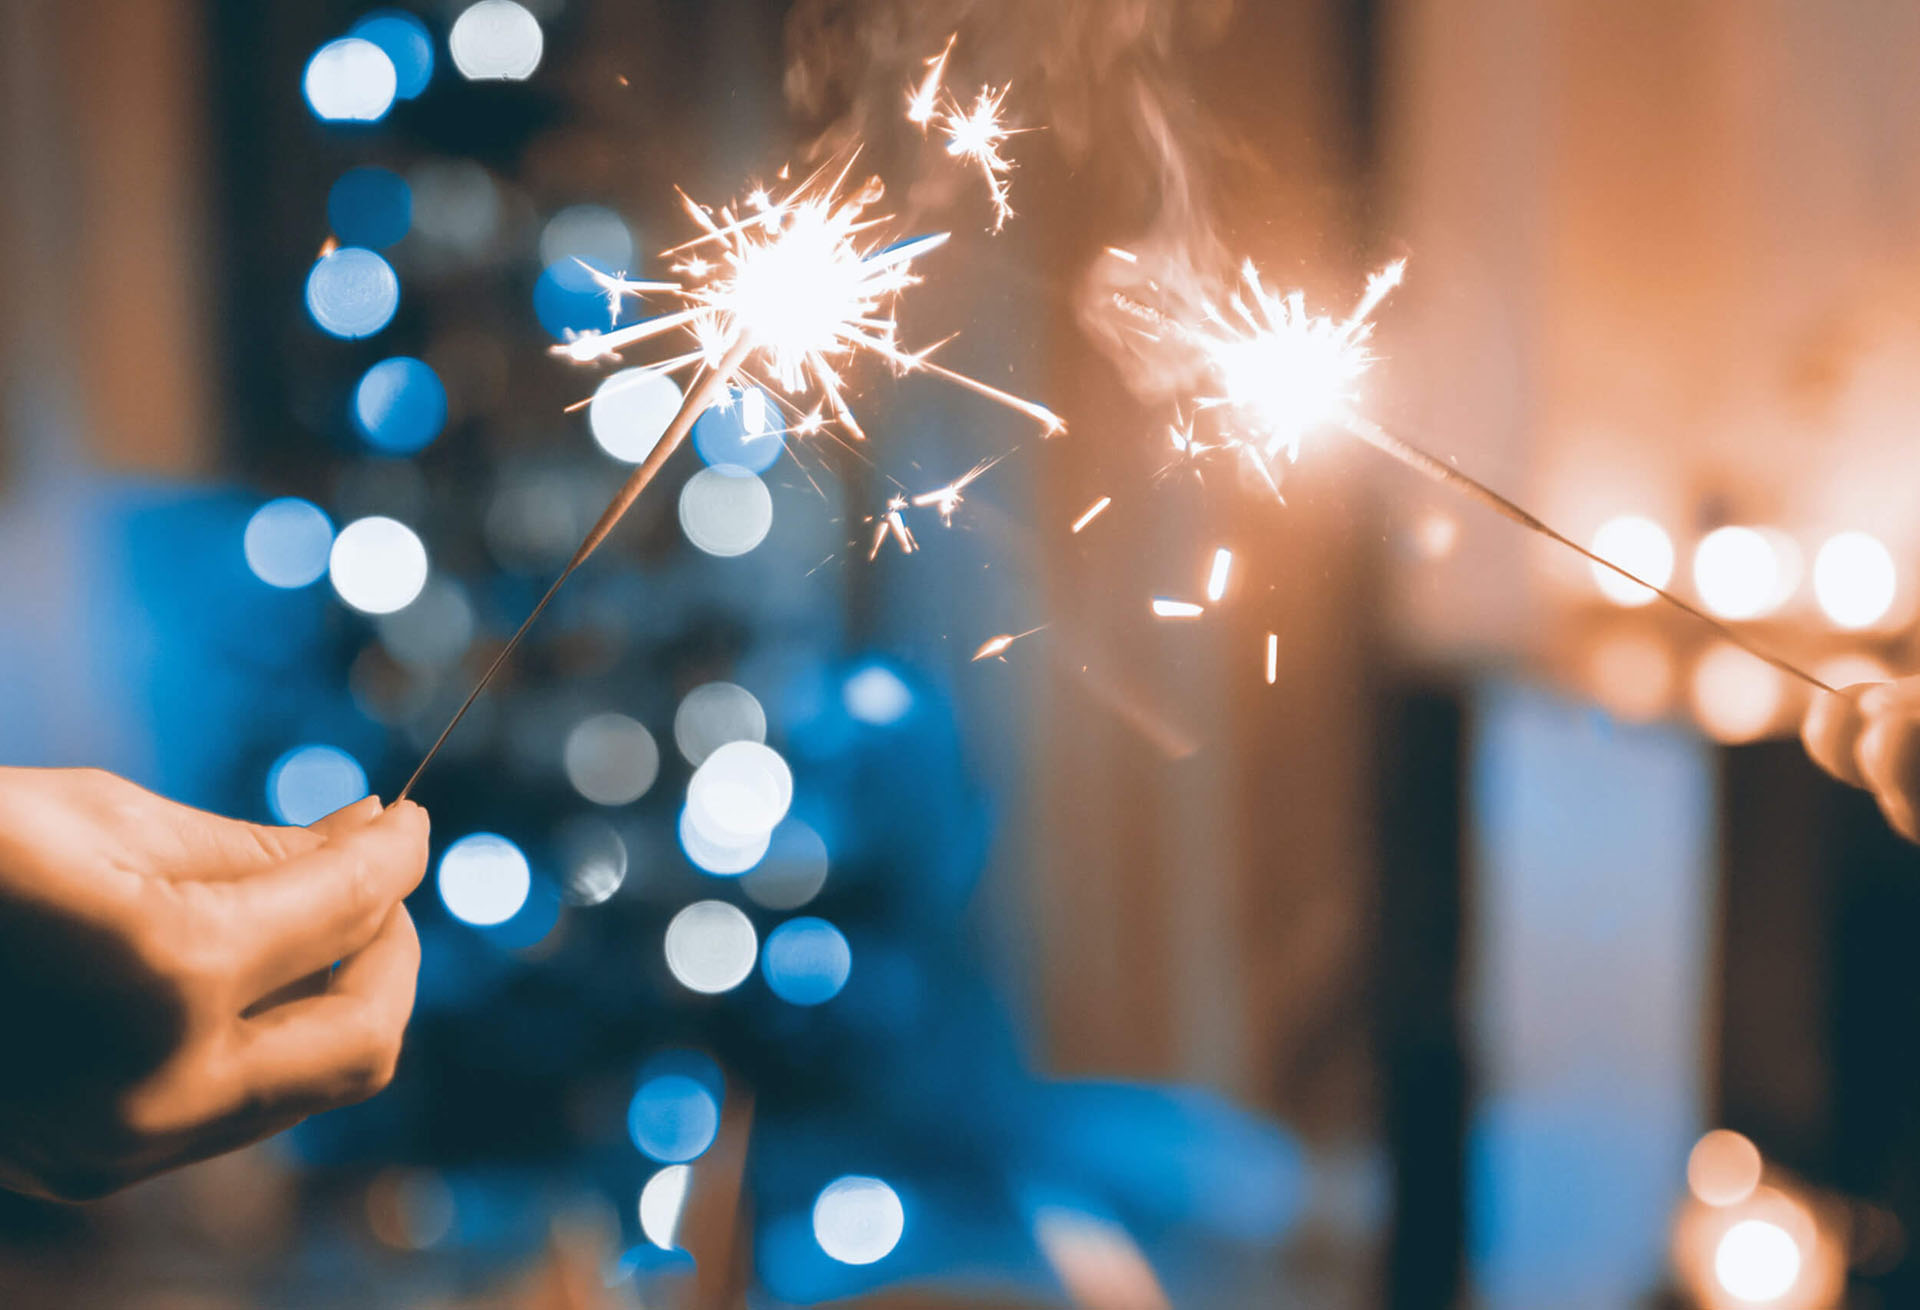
[
  {"x": 1218, "y": 575},
  {"x": 995, "y": 647},
  {"x": 310, "y": 782},
  {"x": 876, "y": 695},
  {"x": 1166, "y": 608},
  {"x": 1723, "y": 1168},
  {"x": 661, "y": 1203},
  {"x": 1737, "y": 572},
  {"x": 287, "y": 542},
  {"x": 352, "y": 292},
  {"x": 1091, "y": 513},
  {"x": 496, "y": 40},
  {"x": 806, "y": 961},
  {"x": 399, "y": 406},
  {"x": 802, "y": 283},
  {"x": 858, "y": 1220},
  {"x": 923, "y": 99},
  {"x": 711, "y": 947},
  {"x": 611, "y": 759},
  {"x": 893, "y": 524},
  {"x": 484, "y": 879},
  {"x": 726, "y": 510},
  {"x": 673, "y": 1117},
  {"x": 1283, "y": 372},
  {"x": 377, "y": 565},
  {"x": 1855, "y": 580},
  {"x": 1638, "y": 545},
  {"x": 947, "y": 499},
  {"x": 714, "y": 714},
  {"x": 740, "y": 792},
  {"x": 975, "y": 136},
  {"x": 1757, "y": 1261},
  {"x": 1273, "y": 658},
  {"x": 350, "y": 80}
]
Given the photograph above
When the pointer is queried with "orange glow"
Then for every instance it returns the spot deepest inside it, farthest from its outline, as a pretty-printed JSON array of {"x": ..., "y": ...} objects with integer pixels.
[{"x": 1724, "y": 1168}]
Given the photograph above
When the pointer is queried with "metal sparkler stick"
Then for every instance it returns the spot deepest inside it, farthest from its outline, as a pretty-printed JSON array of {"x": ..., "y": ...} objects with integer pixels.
[
  {"x": 1445, "y": 474},
  {"x": 704, "y": 393}
]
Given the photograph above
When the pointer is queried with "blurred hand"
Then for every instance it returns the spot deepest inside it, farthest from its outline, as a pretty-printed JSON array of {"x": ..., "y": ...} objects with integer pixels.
[
  {"x": 167, "y": 989},
  {"x": 1869, "y": 736}
]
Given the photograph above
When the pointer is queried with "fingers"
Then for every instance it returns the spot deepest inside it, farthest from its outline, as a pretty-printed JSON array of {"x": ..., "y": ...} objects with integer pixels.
[
  {"x": 342, "y": 1047},
  {"x": 1832, "y": 730},
  {"x": 324, "y": 906},
  {"x": 1889, "y": 759},
  {"x": 363, "y": 811}
]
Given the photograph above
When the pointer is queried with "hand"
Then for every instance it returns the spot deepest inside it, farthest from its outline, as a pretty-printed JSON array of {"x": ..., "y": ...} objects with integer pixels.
[
  {"x": 164, "y": 988},
  {"x": 1869, "y": 735}
]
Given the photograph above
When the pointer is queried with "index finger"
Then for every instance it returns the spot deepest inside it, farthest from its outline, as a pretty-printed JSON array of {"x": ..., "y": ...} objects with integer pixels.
[{"x": 327, "y": 904}]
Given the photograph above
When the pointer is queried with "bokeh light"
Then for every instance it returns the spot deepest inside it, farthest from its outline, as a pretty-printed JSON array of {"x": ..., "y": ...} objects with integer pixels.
[
  {"x": 1757, "y": 1261},
  {"x": 876, "y": 695},
  {"x": 724, "y": 858},
  {"x": 350, "y": 80},
  {"x": 630, "y": 411},
  {"x": 484, "y": 879},
  {"x": 673, "y": 1117},
  {"x": 410, "y": 1209},
  {"x": 399, "y": 406},
  {"x": 1738, "y": 573},
  {"x": 378, "y": 565},
  {"x": 456, "y": 204},
  {"x": 496, "y": 40},
  {"x": 726, "y": 510},
  {"x": 711, "y": 947},
  {"x": 432, "y": 632},
  {"x": 1855, "y": 580},
  {"x": 287, "y": 542},
  {"x": 714, "y": 714},
  {"x": 806, "y": 961},
  {"x": 369, "y": 207},
  {"x": 611, "y": 759},
  {"x": 858, "y": 1220},
  {"x": 745, "y": 432},
  {"x": 593, "y": 860},
  {"x": 352, "y": 292},
  {"x": 407, "y": 44},
  {"x": 590, "y": 233},
  {"x": 793, "y": 870},
  {"x": 1632, "y": 674},
  {"x": 1723, "y": 1168},
  {"x": 1736, "y": 697},
  {"x": 661, "y": 1203},
  {"x": 310, "y": 782},
  {"x": 740, "y": 792},
  {"x": 1640, "y": 546}
]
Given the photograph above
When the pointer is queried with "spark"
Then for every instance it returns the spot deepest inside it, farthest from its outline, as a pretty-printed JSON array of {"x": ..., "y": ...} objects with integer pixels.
[
  {"x": 1273, "y": 658},
  {"x": 1091, "y": 513},
  {"x": 1166, "y": 608},
  {"x": 1217, "y": 576},
  {"x": 923, "y": 100},
  {"x": 806, "y": 281},
  {"x": 996, "y": 647},
  {"x": 893, "y": 523},
  {"x": 1126, "y": 255},
  {"x": 616, "y": 287},
  {"x": 947, "y": 499},
  {"x": 975, "y": 135}
]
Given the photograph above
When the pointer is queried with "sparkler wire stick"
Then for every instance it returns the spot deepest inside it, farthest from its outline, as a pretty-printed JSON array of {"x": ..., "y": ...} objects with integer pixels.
[
  {"x": 703, "y": 394},
  {"x": 1445, "y": 474}
]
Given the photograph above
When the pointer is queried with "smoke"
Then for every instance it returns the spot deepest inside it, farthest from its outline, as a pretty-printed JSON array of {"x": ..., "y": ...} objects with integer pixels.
[{"x": 1104, "y": 79}]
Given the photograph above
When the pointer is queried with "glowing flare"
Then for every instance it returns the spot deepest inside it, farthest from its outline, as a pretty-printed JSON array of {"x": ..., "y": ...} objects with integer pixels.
[
  {"x": 1091, "y": 513},
  {"x": 1218, "y": 575},
  {"x": 923, "y": 100},
  {"x": 995, "y": 647},
  {"x": 947, "y": 499},
  {"x": 1166, "y": 608},
  {"x": 892, "y": 524},
  {"x": 975, "y": 135},
  {"x": 1273, "y": 658}
]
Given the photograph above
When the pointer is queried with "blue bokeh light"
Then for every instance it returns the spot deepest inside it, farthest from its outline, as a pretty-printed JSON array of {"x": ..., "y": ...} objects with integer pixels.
[
  {"x": 806, "y": 961},
  {"x": 566, "y": 305},
  {"x": 350, "y": 80},
  {"x": 484, "y": 879},
  {"x": 352, "y": 292},
  {"x": 876, "y": 695},
  {"x": 673, "y": 1117},
  {"x": 287, "y": 542},
  {"x": 399, "y": 406},
  {"x": 370, "y": 207},
  {"x": 310, "y": 782},
  {"x": 407, "y": 44},
  {"x": 747, "y": 432}
]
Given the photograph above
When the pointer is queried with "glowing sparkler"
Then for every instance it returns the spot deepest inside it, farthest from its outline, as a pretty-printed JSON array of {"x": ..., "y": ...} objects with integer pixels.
[
  {"x": 975, "y": 135},
  {"x": 1284, "y": 374},
  {"x": 996, "y": 647},
  {"x": 783, "y": 293}
]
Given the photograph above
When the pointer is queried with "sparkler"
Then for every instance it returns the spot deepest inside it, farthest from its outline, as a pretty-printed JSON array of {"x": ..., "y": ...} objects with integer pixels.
[
  {"x": 1285, "y": 373},
  {"x": 784, "y": 293},
  {"x": 974, "y": 133}
]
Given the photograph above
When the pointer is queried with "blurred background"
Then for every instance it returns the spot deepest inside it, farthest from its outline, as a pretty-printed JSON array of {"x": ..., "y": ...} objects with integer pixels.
[{"x": 1480, "y": 937}]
